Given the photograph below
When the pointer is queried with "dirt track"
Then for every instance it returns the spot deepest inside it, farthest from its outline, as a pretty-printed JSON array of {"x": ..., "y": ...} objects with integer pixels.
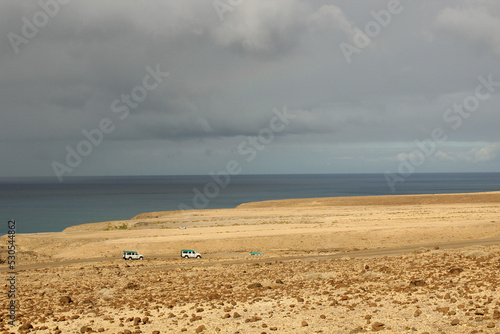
[{"x": 235, "y": 259}]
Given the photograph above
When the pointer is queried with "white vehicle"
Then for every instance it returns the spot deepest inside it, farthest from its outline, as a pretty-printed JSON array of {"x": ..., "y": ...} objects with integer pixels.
[
  {"x": 130, "y": 255},
  {"x": 189, "y": 253}
]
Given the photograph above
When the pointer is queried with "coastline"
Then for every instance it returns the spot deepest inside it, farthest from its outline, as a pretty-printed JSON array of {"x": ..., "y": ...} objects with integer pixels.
[
  {"x": 278, "y": 227},
  {"x": 45, "y": 207}
]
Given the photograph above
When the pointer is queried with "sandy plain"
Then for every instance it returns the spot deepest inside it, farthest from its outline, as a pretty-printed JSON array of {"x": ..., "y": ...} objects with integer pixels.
[{"x": 396, "y": 264}]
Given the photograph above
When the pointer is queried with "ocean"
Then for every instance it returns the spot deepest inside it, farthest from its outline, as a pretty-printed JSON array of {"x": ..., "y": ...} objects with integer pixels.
[{"x": 44, "y": 205}]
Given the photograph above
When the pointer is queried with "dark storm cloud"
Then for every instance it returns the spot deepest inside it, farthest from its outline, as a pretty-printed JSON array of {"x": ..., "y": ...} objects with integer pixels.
[{"x": 227, "y": 75}]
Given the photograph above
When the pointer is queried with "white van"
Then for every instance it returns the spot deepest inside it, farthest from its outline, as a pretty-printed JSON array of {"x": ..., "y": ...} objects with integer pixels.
[{"x": 189, "y": 253}]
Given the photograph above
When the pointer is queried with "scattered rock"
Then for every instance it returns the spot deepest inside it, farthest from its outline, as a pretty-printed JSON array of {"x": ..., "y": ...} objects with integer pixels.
[
  {"x": 195, "y": 318},
  {"x": 443, "y": 310},
  {"x": 455, "y": 271},
  {"x": 26, "y": 326},
  {"x": 88, "y": 301},
  {"x": 131, "y": 285},
  {"x": 356, "y": 330},
  {"x": 86, "y": 329},
  {"x": 377, "y": 326},
  {"x": 253, "y": 319},
  {"x": 65, "y": 300},
  {"x": 339, "y": 301},
  {"x": 213, "y": 296},
  {"x": 417, "y": 283}
]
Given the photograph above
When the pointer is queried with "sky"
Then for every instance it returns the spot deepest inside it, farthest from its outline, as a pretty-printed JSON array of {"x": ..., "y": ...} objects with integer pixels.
[{"x": 122, "y": 87}]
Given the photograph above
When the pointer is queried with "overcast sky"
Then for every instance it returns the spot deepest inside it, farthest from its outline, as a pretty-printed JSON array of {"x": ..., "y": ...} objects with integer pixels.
[{"x": 330, "y": 86}]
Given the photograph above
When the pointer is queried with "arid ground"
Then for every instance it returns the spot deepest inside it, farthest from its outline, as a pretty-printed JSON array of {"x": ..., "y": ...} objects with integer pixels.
[{"x": 395, "y": 264}]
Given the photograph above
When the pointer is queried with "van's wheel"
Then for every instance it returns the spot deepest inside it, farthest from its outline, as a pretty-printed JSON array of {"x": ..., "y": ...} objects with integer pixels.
[
  {"x": 198, "y": 256},
  {"x": 186, "y": 256},
  {"x": 141, "y": 258}
]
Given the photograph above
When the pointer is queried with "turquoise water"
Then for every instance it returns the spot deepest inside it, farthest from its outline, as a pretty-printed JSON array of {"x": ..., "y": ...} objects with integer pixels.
[{"x": 42, "y": 205}]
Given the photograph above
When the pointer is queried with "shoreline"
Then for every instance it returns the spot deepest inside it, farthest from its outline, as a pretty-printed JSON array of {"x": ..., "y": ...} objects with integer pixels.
[
  {"x": 278, "y": 227},
  {"x": 408, "y": 199},
  {"x": 51, "y": 208}
]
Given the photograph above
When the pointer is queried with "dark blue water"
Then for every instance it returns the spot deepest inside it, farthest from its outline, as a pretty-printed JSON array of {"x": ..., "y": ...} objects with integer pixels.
[{"x": 42, "y": 205}]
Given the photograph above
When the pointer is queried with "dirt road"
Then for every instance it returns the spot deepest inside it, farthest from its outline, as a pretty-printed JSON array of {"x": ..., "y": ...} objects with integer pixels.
[{"x": 234, "y": 259}]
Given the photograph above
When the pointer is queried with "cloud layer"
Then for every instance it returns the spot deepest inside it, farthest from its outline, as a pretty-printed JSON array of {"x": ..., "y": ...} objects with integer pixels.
[{"x": 64, "y": 63}]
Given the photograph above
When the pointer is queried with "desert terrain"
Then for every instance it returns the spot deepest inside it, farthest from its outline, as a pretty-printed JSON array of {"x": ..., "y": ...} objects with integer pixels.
[{"x": 395, "y": 264}]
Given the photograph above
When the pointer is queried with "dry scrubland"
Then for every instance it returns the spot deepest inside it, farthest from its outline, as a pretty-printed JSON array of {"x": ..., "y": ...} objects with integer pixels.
[{"x": 431, "y": 289}]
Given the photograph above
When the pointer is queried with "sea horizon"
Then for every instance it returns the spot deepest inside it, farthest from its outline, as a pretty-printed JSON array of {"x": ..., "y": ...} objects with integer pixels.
[{"x": 42, "y": 204}]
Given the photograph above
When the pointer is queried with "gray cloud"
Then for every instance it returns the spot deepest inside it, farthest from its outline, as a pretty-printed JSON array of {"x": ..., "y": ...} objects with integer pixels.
[{"x": 226, "y": 77}]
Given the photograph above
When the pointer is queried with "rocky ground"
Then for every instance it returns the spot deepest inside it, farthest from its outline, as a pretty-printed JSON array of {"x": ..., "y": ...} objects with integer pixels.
[{"x": 431, "y": 291}]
